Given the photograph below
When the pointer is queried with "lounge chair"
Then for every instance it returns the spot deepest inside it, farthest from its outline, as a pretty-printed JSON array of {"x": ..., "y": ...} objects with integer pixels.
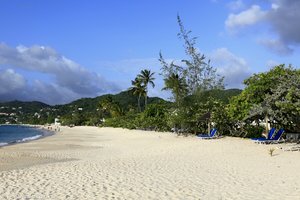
[
  {"x": 270, "y": 135},
  {"x": 211, "y": 135},
  {"x": 274, "y": 140}
]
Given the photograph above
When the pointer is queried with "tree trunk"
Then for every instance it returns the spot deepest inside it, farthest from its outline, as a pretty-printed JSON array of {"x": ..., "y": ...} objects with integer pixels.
[
  {"x": 146, "y": 96},
  {"x": 267, "y": 124},
  {"x": 139, "y": 103},
  {"x": 146, "y": 100},
  {"x": 177, "y": 100}
]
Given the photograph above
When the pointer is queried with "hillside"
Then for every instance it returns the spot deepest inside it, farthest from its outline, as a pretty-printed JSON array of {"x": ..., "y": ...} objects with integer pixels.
[
  {"x": 225, "y": 95},
  {"x": 125, "y": 99},
  {"x": 40, "y": 113},
  {"x": 83, "y": 109},
  {"x": 32, "y": 106}
]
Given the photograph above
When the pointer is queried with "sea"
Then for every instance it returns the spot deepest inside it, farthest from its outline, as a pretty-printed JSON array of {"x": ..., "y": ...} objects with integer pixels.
[{"x": 13, "y": 134}]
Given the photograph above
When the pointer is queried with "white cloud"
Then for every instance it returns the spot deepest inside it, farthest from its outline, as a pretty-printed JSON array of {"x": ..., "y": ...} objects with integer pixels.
[
  {"x": 72, "y": 81},
  {"x": 245, "y": 18},
  {"x": 277, "y": 46},
  {"x": 234, "y": 68},
  {"x": 50, "y": 93},
  {"x": 274, "y": 6},
  {"x": 282, "y": 20},
  {"x": 285, "y": 21},
  {"x": 68, "y": 75},
  {"x": 11, "y": 81}
]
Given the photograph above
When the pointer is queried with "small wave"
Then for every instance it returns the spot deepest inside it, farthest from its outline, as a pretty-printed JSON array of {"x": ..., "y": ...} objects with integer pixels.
[
  {"x": 3, "y": 144},
  {"x": 29, "y": 138}
]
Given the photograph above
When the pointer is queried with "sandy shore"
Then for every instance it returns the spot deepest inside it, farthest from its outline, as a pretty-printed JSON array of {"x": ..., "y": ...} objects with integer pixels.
[{"x": 107, "y": 163}]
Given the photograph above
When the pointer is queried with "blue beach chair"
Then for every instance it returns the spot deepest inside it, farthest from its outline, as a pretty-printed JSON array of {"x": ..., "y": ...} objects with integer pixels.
[
  {"x": 275, "y": 139},
  {"x": 270, "y": 135},
  {"x": 211, "y": 135}
]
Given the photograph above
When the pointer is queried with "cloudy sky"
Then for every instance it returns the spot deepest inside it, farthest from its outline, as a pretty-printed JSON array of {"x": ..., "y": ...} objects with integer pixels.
[{"x": 57, "y": 51}]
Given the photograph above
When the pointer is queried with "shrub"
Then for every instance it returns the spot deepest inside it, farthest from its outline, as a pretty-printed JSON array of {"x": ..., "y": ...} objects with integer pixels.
[{"x": 252, "y": 131}]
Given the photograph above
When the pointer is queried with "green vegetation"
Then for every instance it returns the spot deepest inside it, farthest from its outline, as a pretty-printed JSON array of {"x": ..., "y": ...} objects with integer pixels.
[
  {"x": 154, "y": 117},
  {"x": 177, "y": 86},
  {"x": 146, "y": 77},
  {"x": 139, "y": 90},
  {"x": 85, "y": 111},
  {"x": 140, "y": 86},
  {"x": 196, "y": 73},
  {"x": 199, "y": 101},
  {"x": 26, "y": 112},
  {"x": 273, "y": 96}
]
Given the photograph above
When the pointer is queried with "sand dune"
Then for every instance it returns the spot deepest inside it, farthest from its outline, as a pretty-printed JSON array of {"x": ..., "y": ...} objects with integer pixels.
[{"x": 107, "y": 163}]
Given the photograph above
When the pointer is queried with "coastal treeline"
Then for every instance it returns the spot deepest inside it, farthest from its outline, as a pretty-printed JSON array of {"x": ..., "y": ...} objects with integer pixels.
[
  {"x": 272, "y": 97},
  {"x": 198, "y": 101}
]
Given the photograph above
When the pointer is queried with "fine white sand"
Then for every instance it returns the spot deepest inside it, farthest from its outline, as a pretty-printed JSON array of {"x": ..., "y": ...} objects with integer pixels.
[{"x": 107, "y": 163}]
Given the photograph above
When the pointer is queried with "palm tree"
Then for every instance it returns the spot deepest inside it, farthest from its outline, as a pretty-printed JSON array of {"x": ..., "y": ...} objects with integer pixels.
[
  {"x": 177, "y": 85},
  {"x": 146, "y": 77},
  {"x": 138, "y": 89},
  {"x": 110, "y": 107}
]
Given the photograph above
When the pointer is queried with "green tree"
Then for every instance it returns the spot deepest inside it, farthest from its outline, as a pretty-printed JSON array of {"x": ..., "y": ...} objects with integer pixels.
[
  {"x": 271, "y": 96},
  {"x": 111, "y": 108},
  {"x": 178, "y": 87},
  {"x": 154, "y": 117},
  {"x": 283, "y": 104},
  {"x": 146, "y": 77},
  {"x": 138, "y": 89},
  {"x": 198, "y": 73}
]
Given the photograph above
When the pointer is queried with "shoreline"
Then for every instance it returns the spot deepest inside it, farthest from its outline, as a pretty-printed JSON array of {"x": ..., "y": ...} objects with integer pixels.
[
  {"x": 115, "y": 163},
  {"x": 45, "y": 132}
]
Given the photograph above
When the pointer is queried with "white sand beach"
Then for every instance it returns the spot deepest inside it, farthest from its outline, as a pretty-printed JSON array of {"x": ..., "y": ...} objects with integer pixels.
[{"x": 107, "y": 163}]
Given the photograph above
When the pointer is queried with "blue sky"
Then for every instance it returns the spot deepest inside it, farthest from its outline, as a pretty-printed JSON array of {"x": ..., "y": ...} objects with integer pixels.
[{"x": 56, "y": 51}]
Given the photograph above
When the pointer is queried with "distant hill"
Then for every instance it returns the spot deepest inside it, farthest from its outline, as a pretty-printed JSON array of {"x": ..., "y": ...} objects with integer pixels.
[
  {"x": 222, "y": 95},
  {"x": 24, "y": 112},
  {"x": 225, "y": 95},
  {"x": 125, "y": 99},
  {"x": 17, "y": 103},
  {"x": 32, "y": 106},
  {"x": 40, "y": 113}
]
